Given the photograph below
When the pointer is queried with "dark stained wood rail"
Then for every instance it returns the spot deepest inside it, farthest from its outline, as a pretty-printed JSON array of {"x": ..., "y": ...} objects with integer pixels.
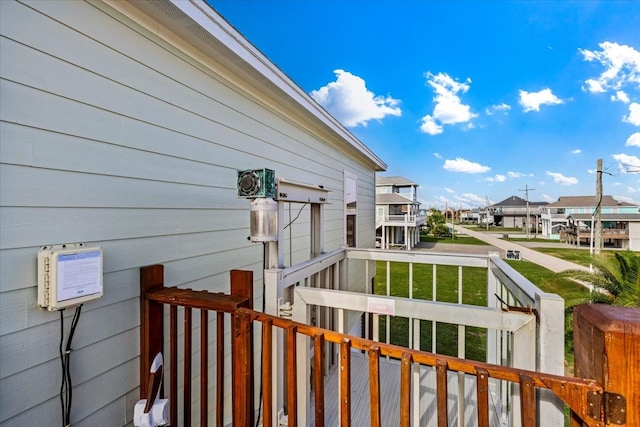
[
  {"x": 573, "y": 391},
  {"x": 575, "y": 396},
  {"x": 154, "y": 296}
]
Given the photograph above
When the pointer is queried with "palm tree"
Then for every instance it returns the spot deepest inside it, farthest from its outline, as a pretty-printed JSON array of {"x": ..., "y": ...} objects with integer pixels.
[{"x": 616, "y": 280}]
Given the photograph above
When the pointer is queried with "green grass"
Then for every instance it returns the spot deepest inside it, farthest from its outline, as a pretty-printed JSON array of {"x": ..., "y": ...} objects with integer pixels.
[
  {"x": 460, "y": 240},
  {"x": 474, "y": 292},
  {"x": 579, "y": 256},
  {"x": 474, "y": 287}
]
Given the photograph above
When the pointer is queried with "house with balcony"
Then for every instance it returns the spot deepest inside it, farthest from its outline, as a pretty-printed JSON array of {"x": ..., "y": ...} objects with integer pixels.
[
  {"x": 515, "y": 212},
  {"x": 136, "y": 140},
  {"x": 571, "y": 219},
  {"x": 398, "y": 214}
]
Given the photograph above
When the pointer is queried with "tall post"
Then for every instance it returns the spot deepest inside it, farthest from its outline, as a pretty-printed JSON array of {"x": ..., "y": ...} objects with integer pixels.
[
  {"x": 486, "y": 212},
  {"x": 526, "y": 192},
  {"x": 598, "y": 210}
]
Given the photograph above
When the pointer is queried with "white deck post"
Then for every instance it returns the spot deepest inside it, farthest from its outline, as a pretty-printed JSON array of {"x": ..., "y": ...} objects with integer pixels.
[
  {"x": 550, "y": 355},
  {"x": 301, "y": 314}
]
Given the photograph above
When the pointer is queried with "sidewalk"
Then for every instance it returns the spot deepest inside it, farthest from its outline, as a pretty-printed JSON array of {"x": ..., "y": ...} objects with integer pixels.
[{"x": 552, "y": 263}]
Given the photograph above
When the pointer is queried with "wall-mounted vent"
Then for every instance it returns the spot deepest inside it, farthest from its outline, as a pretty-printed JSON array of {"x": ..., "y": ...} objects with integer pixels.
[{"x": 257, "y": 183}]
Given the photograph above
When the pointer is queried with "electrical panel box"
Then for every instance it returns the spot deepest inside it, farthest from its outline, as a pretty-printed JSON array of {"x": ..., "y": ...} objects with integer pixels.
[
  {"x": 69, "y": 275},
  {"x": 256, "y": 183}
]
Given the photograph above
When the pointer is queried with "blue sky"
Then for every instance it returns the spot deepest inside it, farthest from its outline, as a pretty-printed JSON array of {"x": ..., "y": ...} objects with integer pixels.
[{"x": 470, "y": 99}]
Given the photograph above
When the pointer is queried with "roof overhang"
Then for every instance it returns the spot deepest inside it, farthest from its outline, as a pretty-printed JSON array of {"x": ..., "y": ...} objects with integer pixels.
[{"x": 198, "y": 24}]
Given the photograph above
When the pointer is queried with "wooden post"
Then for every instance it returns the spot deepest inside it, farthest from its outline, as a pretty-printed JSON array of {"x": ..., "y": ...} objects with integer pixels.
[
  {"x": 151, "y": 324},
  {"x": 607, "y": 349},
  {"x": 242, "y": 351}
]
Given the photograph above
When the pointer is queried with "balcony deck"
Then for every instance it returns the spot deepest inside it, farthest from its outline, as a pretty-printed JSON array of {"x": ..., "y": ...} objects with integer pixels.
[{"x": 390, "y": 398}]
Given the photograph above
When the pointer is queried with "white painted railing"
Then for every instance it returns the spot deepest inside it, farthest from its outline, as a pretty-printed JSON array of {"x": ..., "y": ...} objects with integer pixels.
[
  {"x": 528, "y": 337},
  {"x": 404, "y": 218}
]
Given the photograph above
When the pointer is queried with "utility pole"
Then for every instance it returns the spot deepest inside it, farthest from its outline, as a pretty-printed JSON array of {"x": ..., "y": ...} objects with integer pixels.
[
  {"x": 598, "y": 210},
  {"x": 526, "y": 192},
  {"x": 486, "y": 212}
]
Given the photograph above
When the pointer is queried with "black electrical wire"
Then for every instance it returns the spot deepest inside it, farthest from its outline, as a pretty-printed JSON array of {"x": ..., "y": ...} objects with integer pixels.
[
  {"x": 294, "y": 219},
  {"x": 66, "y": 387}
]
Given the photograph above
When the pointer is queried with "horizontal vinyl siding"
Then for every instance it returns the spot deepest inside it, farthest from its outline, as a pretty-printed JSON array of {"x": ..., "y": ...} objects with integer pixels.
[{"x": 111, "y": 137}]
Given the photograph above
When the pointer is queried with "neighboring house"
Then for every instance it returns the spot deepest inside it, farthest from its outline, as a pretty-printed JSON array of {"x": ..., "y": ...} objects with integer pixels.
[
  {"x": 570, "y": 219},
  {"x": 512, "y": 213},
  {"x": 398, "y": 214},
  {"x": 123, "y": 125}
]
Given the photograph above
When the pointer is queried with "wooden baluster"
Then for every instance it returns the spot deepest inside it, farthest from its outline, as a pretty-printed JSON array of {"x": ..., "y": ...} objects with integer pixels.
[
  {"x": 151, "y": 324},
  {"x": 173, "y": 365},
  {"x": 374, "y": 385},
  {"x": 345, "y": 382},
  {"x": 441, "y": 393},
  {"x": 204, "y": 368},
  {"x": 242, "y": 370},
  {"x": 219, "y": 369},
  {"x": 267, "y": 372},
  {"x": 482, "y": 396},
  {"x": 186, "y": 390},
  {"x": 405, "y": 390},
  {"x": 318, "y": 377},
  {"x": 527, "y": 401},
  {"x": 292, "y": 376}
]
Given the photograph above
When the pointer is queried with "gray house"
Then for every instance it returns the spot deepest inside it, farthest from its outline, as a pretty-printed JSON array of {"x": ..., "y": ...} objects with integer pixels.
[
  {"x": 123, "y": 125},
  {"x": 513, "y": 212}
]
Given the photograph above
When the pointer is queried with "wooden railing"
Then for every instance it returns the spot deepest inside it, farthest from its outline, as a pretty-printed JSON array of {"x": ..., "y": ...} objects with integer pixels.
[{"x": 154, "y": 296}]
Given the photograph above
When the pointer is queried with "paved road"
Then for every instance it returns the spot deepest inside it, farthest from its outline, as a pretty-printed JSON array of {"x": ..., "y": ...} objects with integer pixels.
[{"x": 547, "y": 261}]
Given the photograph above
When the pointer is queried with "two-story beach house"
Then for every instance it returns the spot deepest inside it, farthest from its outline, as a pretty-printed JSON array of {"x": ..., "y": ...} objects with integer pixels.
[
  {"x": 513, "y": 212},
  {"x": 571, "y": 219},
  {"x": 398, "y": 215}
]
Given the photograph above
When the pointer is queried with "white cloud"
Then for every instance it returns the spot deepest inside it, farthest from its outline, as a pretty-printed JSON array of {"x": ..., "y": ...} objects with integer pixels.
[
  {"x": 621, "y": 63},
  {"x": 531, "y": 101},
  {"x": 576, "y": 151},
  {"x": 449, "y": 109},
  {"x": 437, "y": 155},
  {"x": 465, "y": 166},
  {"x": 633, "y": 140},
  {"x": 632, "y": 189},
  {"x": 349, "y": 100},
  {"x": 518, "y": 174},
  {"x": 620, "y": 96},
  {"x": 499, "y": 107},
  {"x": 430, "y": 126},
  {"x": 626, "y": 162},
  {"x": 449, "y": 190},
  {"x": 558, "y": 178},
  {"x": 497, "y": 178},
  {"x": 472, "y": 200},
  {"x": 634, "y": 114},
  {"x": 548, "y": 198}
]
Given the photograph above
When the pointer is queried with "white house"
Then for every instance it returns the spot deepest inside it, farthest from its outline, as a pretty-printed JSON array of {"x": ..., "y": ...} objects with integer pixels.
[
  {"x": 123, "y": 125},
  {"x": 398, "y": 216},
  {"x": 570, "y": 218}
]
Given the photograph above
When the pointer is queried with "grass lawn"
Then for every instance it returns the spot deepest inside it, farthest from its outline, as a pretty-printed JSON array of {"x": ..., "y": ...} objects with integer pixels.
[
  {"x": 460, "y": 240},
  {"x": 579, "y": 256},
  {"x": 474, "y": 288},
  {"x": 474, "y": 291}
]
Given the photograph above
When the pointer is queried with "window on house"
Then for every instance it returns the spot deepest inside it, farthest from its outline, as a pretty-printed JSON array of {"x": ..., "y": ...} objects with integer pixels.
[{"x": 350, "y": 207}]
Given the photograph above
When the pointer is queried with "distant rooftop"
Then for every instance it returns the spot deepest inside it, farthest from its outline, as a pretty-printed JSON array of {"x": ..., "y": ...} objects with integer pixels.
[
  {"x": 517, "y": 201},
  {"x": 393, "y": 180},
  {"x": 392, "y": 199},
  {"x": 586, "y": 201}
]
